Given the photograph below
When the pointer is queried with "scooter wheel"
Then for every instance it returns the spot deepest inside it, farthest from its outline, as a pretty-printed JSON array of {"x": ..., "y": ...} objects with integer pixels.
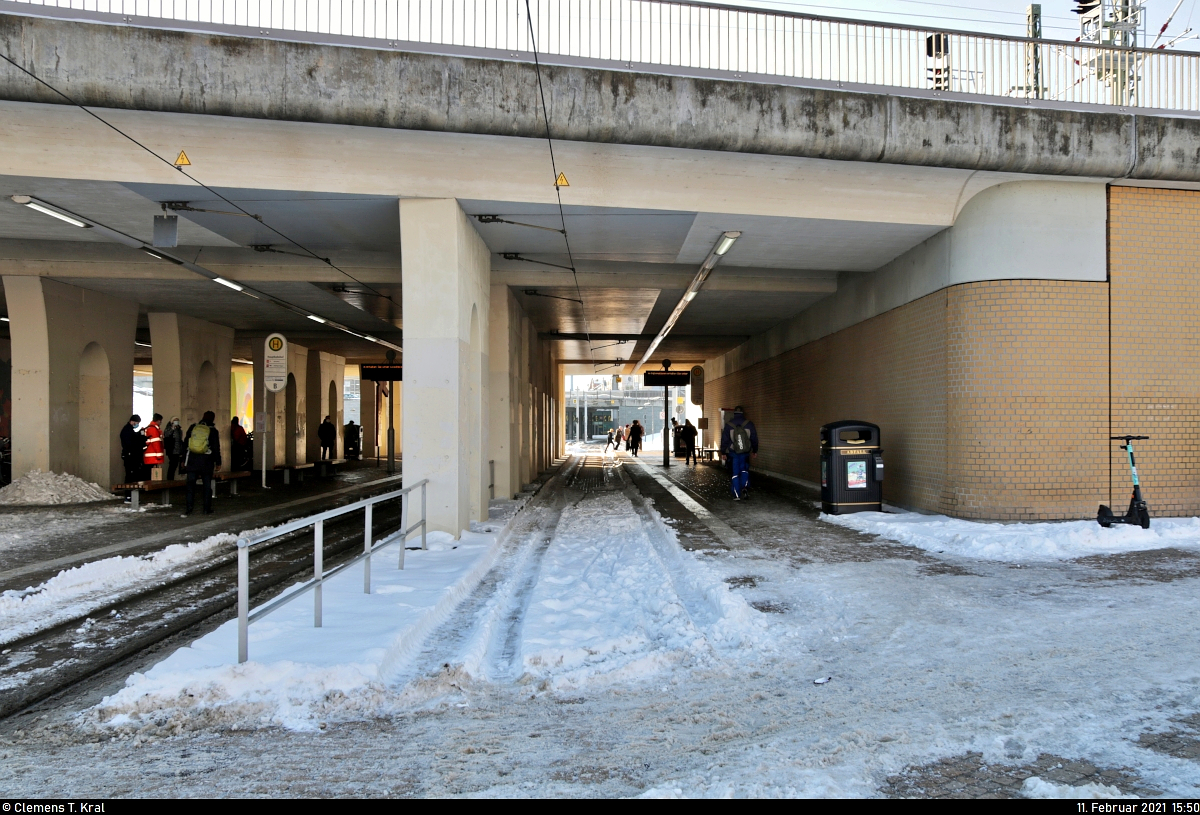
[
  {"x": 1144, "y": 518},
  {"x": 1104, "y": 517}
]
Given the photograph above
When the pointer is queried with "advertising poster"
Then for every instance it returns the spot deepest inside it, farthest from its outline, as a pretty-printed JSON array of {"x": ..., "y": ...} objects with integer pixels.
[{"x": 856, "y": 475}]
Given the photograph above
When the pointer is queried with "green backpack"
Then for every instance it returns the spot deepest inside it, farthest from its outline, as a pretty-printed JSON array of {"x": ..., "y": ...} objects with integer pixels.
[{"x": 198, "y": 440}]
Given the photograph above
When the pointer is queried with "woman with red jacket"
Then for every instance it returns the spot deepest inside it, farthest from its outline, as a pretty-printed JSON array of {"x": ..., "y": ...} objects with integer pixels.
[{"x": 153, "y": 456}]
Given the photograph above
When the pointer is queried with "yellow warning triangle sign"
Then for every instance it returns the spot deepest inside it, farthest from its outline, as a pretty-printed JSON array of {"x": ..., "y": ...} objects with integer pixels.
[
  {"x": 182, "y": 160},
  {"x": 561, "y": 181}
]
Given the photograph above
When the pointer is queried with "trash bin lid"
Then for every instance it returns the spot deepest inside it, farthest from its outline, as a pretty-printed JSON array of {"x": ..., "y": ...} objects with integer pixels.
[{"x": 837, "y": 435}]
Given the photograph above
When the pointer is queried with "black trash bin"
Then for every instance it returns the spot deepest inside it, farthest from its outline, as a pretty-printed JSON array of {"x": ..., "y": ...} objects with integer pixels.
[{"x": 851, "y": 468}]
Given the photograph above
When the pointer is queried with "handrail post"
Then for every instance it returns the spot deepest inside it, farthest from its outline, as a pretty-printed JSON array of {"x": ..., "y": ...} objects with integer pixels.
[
  {"x": 403, "y": 527},
  {"x": 368, "y": 518},
  {"x": 424, "y": 523},
  {"x": 318, "y": 569},
  {"x": 243, "y": 600}
]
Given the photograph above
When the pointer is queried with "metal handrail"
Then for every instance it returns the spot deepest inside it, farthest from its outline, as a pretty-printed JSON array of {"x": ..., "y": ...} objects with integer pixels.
[
  {"x": 245, "y": 617},
  {"x": 711, "y": 38}
]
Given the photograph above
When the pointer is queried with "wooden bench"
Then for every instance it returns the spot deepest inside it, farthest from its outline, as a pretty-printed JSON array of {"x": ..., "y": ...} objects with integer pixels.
[
  {"x": 232, "y": 478},
  {"x": 299, "y": 468},
  {"x": 330, "y": 463},
  {"x": 135, "y": 489}
]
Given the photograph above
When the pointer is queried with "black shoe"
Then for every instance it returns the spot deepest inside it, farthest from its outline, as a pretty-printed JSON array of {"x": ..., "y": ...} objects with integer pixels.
[{"x": 184, "y": 515}]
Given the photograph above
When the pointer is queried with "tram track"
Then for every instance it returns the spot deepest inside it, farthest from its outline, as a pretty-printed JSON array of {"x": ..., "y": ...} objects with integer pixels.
[{"x": 45, "y": 663}]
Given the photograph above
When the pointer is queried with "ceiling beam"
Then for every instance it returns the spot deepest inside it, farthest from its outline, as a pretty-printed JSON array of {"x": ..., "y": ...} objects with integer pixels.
[{"x": 649, "y": 279}]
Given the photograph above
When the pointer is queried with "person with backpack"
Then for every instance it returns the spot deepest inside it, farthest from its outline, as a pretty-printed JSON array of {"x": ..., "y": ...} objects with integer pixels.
[
  {"x": 739, "y": 442},
  {"x": 635, "y": 436},
  {"x": 352, "y": 436},
  {"x": 203, "y": 458}
]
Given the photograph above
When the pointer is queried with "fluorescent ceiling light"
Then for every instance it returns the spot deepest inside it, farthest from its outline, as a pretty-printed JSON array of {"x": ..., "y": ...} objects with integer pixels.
[
  {"x": 58, "y": 215},
  {"x": 726, "y": 241},
  {"x": 690, "y": 296},
  {"x": 243, "y": 361},
  {"x": 317, "y": 319},
  {"x": 227, "y": 283},
  {"x": 4, "y": 319},
  {"x": 369, "y": 338},
  {"x": 141, "y": 344}
]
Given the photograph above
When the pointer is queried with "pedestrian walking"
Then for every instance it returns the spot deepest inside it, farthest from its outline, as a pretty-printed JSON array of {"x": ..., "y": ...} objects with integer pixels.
[
  {"x": 153, "y": 455},
  {"x": 327, "y": 433},
  {"x": 609, "y": 443},
  {"x": 618, "y": 438},
  {"x": 687, "y": 436},
  {"x": 132, "y": 444},
  {"x": 629, "y": 436},
  {"x": 353, "y": 440},
  {"x": 636, "y": 431},
  {"x": 237, "y": 445},
  {"x": 173, "y": 446},
  {"x": 739, "y": 442},
  {"x": 203, "y": 459}
]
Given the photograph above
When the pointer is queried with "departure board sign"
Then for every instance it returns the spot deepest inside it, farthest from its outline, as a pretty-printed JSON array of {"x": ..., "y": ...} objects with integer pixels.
[
  {"x": 382, "y": 373},
  {"x": 659, "y": 379}
]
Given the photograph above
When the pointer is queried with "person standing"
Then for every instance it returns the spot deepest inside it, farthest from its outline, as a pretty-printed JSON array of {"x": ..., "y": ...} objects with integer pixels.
[
  {"x": 327, "y": 434},
  {"x": 352, "y": 440},
  {"x": 739, "y": 441},
  {"x": 173, "y": 446},
  {"x": 237, "y": 444},
  {"x": 629, "y": 436},
  {"x": 132, "y": 443},
  {"x": 635, "y": 437},
  {"x": 153, "y": 455},
  {"x": 203, "y": 458},
  {"x": 687, "y": 436}
]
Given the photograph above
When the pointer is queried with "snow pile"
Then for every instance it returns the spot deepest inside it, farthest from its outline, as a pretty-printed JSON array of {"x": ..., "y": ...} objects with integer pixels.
[
  {"x": 39, "y": 488},
  {"x": 616, "y": 602},
  {"x": 300, "y": 677},
  {"x": 74, "y": 593},
  {"x": 1020, "y": 541},
  {"x": 1035, "y": 787}
]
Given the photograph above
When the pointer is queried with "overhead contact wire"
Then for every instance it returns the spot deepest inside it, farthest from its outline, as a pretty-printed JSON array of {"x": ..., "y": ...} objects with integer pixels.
[
  {"x": 537, "y": 65},
  {"x": 188, "y": 175}
]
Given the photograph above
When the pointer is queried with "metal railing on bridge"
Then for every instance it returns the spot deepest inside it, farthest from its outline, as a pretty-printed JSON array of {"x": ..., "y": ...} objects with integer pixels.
[
  {"x": 682, "y": 37},
  {"x": 245, "y": 616}
]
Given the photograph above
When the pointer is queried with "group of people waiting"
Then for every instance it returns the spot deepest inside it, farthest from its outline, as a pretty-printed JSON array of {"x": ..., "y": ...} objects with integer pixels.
[
  {"x": 630, "y": 434},
  {"x": 196, "y": 452}
]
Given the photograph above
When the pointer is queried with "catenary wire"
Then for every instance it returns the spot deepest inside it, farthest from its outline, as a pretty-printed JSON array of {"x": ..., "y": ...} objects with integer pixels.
[
  {"x": 186, "y": 174},
  {"x": 537, "y": 65}
]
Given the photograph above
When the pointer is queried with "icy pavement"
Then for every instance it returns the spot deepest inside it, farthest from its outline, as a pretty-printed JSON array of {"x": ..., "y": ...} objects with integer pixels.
[{"x": 599, "y": 657}]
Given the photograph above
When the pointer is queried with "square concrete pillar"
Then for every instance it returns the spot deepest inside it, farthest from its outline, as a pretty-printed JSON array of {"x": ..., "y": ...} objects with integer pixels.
[
  {"x": 368, "y": 412},
  {"x": 504, "y": 391},
  {"x": 192, "y": 359},
  {"x": 325, "y": 382},
  {"x": 283, "y": 420},
  {"x": 72, "y": 378},
  {"x": 446, "y": 276}
]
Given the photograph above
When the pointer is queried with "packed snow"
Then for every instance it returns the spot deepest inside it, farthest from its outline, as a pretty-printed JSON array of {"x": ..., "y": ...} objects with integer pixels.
[
  {"x": 1019, "y": 542},
  {"x": 39, "y": 488},
  {"x": 76, "y": 592},
  {"x": 1041, "y": 788}
]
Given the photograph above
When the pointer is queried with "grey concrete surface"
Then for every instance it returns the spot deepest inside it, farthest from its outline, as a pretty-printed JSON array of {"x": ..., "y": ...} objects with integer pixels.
[{"x": 160, "y": 70}]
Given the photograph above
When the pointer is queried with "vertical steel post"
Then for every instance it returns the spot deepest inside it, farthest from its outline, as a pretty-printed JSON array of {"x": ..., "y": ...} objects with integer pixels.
[
  {"x": 391, "y": 427},
  {"x": 368, "y": 518},
  {"x": 243, "y": 600},
  {"x": 424, "y": 518},
  {"x": 318, "y": 569},
  {"x": 666, "y": 426},
  {"x": 403, "y": 527}
]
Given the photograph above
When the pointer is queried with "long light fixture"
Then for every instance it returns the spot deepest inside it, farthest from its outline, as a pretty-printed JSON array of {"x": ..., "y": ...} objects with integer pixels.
[
  {"x": 719, "y": 249},
  {"x": 160, "y": 254}
]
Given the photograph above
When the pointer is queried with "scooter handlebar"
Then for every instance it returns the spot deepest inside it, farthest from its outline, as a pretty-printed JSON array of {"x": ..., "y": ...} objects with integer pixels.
[{"x": 1127, "y": 438}]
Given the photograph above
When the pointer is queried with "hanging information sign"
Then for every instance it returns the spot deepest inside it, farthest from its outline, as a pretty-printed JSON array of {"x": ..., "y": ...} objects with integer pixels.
[{"x": 275, "y": 367}]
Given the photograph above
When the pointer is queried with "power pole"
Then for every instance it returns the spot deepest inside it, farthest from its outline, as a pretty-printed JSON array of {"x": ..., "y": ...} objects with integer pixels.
[{"x": 1033, "y": 55}]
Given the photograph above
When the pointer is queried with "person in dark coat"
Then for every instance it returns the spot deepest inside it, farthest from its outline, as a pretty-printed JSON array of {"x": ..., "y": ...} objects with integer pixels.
[
  {"x": 636, "y": 431},
  {"x": 687, "y": 438},
  {"x": 203, "y": 459},
  {"x": 132, "y": 445},
  {"x": 237, "y": 444},
  {"x": 327, "y": 433},
  {"x": 353, "y": 440},
  {"x": 173, "y": 446}
]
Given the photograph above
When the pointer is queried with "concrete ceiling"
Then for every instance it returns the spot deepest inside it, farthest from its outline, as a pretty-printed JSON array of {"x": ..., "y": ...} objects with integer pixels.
[{"x": 633, "y": 264}]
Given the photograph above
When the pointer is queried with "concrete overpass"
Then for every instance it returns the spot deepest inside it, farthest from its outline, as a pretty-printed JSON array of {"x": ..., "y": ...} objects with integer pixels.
[{"x": 852, "y": 204}]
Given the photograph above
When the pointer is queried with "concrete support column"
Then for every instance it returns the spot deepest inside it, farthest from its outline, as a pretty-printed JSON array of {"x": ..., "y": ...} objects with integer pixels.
[
  {"x": 72, "y": 378},
  {"x": 503, "y": 402},
  {"x": 191, "y": 368},
  {"x": 284, "y": 418},
  {"x": 446, "y": 273},
  {"x": 325, "y": 382},
  {"x": 368, "y": 408}
]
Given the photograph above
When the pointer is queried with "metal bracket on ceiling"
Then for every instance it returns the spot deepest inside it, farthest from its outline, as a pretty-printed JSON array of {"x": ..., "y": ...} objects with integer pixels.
[
  {"x": 496, "y": 219},
  {"x": 185, "y": 206},
  {"x": 517, "y": 256},
  {"x": 536, "y": 293},
  {"x": 266, "y": 247}
]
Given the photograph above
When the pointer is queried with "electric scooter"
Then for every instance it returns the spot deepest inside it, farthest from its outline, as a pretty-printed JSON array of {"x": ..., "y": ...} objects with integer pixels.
[{"x": 1138, "y": 513}]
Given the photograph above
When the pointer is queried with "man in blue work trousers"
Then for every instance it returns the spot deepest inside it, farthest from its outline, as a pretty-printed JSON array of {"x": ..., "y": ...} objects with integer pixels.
[{"x": 739, "y": 441}]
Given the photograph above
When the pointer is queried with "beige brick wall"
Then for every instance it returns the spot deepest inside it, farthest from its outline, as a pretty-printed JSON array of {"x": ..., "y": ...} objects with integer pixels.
[{"x": 1154, "y": 265}]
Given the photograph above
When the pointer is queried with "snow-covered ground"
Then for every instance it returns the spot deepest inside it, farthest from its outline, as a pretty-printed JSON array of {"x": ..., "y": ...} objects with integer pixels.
[
  {"x": 599, "y": 657},
  {"x": 1020, "y": 542}
]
